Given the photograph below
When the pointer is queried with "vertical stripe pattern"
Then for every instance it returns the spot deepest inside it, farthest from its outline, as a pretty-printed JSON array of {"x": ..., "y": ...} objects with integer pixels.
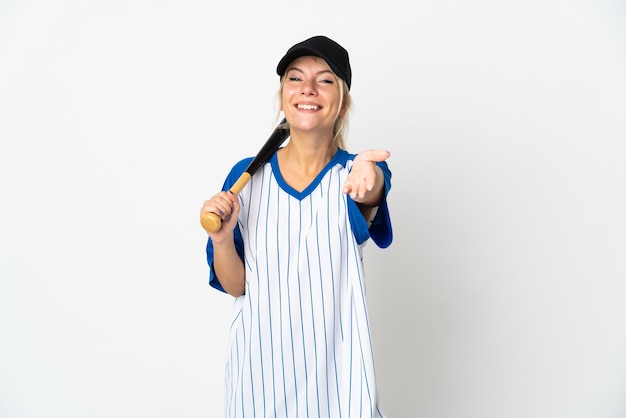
[{"x": 300, "y": 340}]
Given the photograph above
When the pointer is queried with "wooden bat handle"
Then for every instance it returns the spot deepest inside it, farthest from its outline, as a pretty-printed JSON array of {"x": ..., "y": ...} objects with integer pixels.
[
  {"x": 210, "y": 221},
  {"x": 240, "y": 183}
]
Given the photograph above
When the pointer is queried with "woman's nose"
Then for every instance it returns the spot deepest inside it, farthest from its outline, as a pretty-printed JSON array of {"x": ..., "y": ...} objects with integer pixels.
[{"x": 308, "y": 88}]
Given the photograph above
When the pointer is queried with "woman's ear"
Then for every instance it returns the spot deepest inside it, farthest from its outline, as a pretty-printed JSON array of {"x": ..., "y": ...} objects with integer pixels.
[{"x": 280, "y": 98}]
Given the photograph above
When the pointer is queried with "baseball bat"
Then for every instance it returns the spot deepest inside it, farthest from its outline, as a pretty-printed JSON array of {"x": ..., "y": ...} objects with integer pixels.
[{"x": 211, "y": 222}]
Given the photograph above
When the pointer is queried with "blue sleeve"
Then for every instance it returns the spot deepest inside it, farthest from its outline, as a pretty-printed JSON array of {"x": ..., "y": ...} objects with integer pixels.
[
  {"x": 380, "y": 230},
  {"x": 234, "y": 175}
]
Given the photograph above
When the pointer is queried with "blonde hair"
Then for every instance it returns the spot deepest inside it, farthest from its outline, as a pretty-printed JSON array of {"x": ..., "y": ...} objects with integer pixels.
[{"x": 340, "y": 129}]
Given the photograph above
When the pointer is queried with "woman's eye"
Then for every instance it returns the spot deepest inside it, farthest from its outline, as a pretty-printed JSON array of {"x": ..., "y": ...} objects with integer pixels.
[
  {"x": 294, "y": 78},
  {"x": 327, "y": 81}
]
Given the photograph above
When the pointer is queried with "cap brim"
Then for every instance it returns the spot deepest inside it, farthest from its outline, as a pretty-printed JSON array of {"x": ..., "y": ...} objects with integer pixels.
[{"x": 304, "y": 51}]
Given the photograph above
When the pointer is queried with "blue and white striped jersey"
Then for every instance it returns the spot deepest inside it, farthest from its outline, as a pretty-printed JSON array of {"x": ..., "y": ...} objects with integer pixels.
[{"x": 300, "y": 341}]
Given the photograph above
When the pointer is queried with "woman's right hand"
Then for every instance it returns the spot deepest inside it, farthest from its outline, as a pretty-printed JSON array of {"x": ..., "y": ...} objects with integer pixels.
[{"x": 226, "y": 206}]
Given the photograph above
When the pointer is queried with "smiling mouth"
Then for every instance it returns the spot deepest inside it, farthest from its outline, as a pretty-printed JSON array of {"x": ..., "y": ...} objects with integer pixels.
[{"x": 307, "y": 107}]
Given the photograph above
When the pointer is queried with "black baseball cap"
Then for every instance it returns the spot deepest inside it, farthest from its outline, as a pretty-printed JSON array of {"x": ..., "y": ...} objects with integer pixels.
[{"x": 320, "y": 46}]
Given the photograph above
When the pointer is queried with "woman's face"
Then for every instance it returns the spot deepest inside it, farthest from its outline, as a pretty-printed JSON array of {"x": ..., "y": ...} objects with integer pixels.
[{"x": 310, "y": 97}]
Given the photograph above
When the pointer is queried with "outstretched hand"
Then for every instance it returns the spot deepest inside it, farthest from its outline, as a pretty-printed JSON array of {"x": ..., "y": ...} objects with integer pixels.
[{"x": 364, "y": 183}]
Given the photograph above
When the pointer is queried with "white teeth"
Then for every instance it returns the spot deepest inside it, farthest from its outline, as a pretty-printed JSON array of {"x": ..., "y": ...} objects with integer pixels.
[{"x": 307, "y": 107}]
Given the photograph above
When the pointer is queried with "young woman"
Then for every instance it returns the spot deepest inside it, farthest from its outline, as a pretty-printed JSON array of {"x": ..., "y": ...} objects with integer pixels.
[{"x": 290, "y": 252}]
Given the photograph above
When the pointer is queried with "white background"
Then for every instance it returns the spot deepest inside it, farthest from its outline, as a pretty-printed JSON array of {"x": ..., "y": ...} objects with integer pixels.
[{"x": 504, "y": 292}]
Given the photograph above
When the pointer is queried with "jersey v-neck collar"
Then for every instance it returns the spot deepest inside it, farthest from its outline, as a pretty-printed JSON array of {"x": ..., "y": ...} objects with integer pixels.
[{"x": 340, "y": 157}]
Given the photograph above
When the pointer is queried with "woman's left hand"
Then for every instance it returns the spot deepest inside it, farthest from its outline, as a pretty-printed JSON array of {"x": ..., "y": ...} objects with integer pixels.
[{"x": 364, "y": 183}]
